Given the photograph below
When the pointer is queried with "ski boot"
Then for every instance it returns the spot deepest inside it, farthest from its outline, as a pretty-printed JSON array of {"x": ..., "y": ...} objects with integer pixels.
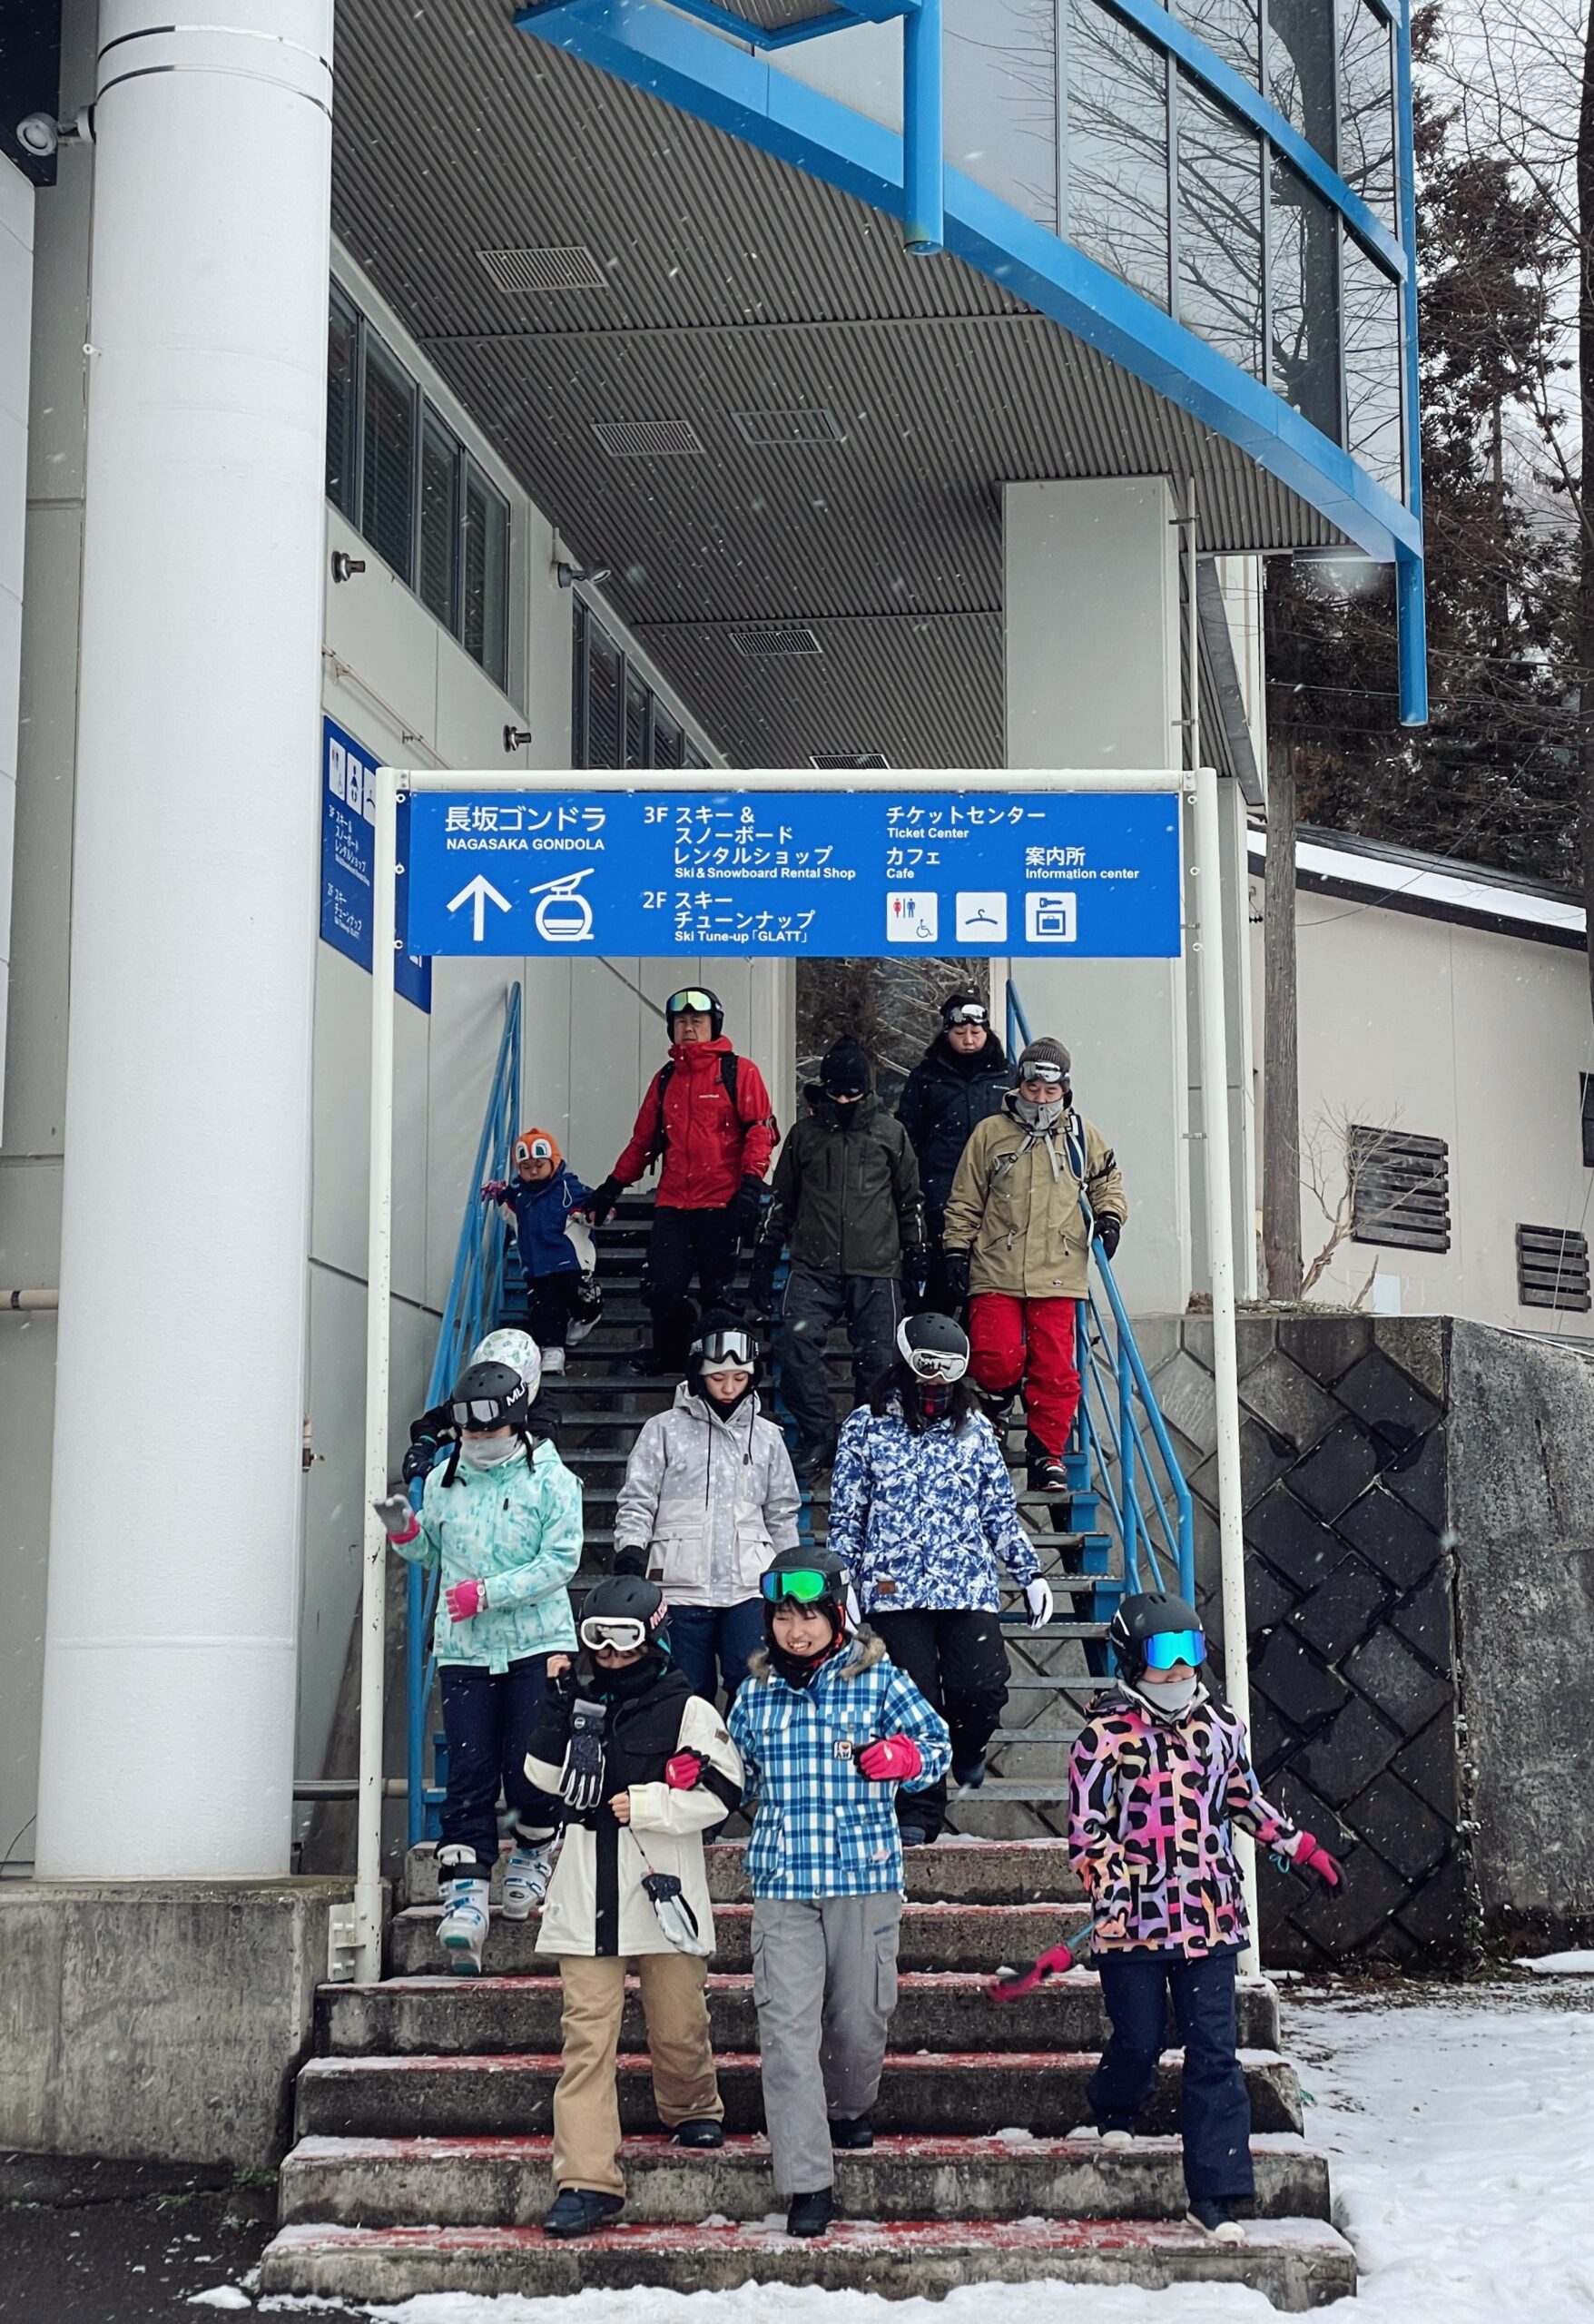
[
  {"x": 463, "y": 1931},
  {"x": 526, "y": 1873}
]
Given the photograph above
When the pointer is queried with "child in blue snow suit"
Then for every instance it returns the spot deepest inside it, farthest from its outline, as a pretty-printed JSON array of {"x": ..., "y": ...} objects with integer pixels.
[
  {"x": 827, "y": 1728},
  {"x": 501, "y": 1517},
  {"x": 538, "y": 1205}
]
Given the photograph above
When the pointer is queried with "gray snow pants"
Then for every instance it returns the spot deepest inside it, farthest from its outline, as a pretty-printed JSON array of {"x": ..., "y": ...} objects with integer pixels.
[{"x": 824, "y": 1979}]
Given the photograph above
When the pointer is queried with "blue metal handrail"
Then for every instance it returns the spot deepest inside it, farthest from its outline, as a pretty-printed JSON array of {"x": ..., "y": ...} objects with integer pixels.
[
  {"x": 470, "y": 1312},
  {"x": 1119, "y": 1411}
]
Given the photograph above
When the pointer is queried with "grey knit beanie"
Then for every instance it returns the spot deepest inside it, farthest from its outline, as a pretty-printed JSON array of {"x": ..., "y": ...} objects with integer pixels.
[{"x": 1045, "y": 1051}]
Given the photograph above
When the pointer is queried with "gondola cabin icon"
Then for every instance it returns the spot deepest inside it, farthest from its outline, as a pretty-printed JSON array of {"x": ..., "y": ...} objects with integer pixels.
[{"x": 564, "y": 915}]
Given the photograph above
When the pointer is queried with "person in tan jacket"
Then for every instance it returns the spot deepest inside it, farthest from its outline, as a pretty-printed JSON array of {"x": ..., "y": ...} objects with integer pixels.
[{"x": 1037, "y": 1182}]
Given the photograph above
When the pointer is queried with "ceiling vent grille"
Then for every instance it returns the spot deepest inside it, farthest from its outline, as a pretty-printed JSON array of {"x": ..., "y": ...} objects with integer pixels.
[
  {"x": 1552, "y": 1268},
  {"x": 850, "y": 762},
  {"x": 789, "y": 429},
  {"x": 774, "y": 644},
  {"x": 573, "y": 268},
  {"x": 645, "y": 439}
]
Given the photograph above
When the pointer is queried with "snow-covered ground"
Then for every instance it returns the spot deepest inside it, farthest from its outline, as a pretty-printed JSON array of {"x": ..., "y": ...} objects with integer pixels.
[{"x": 1461, "y": 2132}]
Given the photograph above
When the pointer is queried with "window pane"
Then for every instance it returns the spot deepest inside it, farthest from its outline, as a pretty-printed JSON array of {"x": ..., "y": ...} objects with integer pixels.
[
  {"x": 1001, "y": 101},
  {"x": 1220, "y": 228},
  {"x": 693, "y": 756},
  {"x": 485, "y": 630},
  {"x": 343, "y": 408},
  {"x": 603, "y": 696},
  {"x": 578, "y": 756},
  {"x": 1367, "y": 107},
  {"x": 1232, "y": 29},
  {"x": 388, "y": 499},
  {"x": 637, "y": 697},
  {"x": 1373, "y": 366},
  {"x": 1117, "y": 204},
  {"x": 668, "y": 741},
  {"x": 1304, "y": 269},
  {"x": 1300, "y": 65},
  {"x": 439, "y": 521}
]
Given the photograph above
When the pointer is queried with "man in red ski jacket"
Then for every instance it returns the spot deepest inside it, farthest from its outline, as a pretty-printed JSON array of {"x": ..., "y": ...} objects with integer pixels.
[{"x": 707, "y": 1115}]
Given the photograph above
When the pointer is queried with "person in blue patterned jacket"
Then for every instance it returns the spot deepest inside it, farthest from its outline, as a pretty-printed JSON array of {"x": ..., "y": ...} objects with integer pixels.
[
  {"x": 827, "y": 1728},
  {"x": 921, "y": 1511}
]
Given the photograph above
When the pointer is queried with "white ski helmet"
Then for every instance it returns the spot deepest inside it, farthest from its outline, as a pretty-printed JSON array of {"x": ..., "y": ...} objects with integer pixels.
[{"x": 519, "y": 1351}]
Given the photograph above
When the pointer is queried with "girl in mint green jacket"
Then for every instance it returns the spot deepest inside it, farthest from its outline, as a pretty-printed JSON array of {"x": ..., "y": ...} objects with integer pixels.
[{"x": 502, "y": 1519}]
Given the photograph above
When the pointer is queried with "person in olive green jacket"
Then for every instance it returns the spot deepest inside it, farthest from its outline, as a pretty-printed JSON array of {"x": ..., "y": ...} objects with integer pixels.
[
  {"x": 845, "y": 1194},
  {"x": 1037, "y": 1182}
]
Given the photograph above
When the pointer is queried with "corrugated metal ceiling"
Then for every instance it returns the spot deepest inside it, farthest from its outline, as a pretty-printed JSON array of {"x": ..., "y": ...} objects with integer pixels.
[{"x": 738, "y": 285}]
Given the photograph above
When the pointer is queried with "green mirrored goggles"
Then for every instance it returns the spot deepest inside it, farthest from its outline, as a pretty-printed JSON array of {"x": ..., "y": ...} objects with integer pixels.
[{"x": 800, "y": 1582}]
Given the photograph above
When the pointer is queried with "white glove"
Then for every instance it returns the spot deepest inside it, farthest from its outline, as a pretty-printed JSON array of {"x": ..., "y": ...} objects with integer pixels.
[
  {"x": 1038, "y": 1598},
  {"x": 398, "y": 1520},
  {"x": 855, "y": 1610}
]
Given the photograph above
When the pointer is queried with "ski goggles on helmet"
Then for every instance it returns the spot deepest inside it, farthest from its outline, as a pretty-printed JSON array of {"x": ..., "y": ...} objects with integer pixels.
[
  {"x": 804, "y": 1585},
  {"x": 700, "y": 1004},
  {"x": 966, "y": 1012},
  {"x": 1167, "y": 1647},
  {"x": 1043, "y": 1070},
  {"x": 624, "y": 1632},
  {"x": 533, "y": 1149},
  {"x": 936, "y": 1364},
  {"x": 480, "y": 1412},
  {"x": 728, "y": 1351}
]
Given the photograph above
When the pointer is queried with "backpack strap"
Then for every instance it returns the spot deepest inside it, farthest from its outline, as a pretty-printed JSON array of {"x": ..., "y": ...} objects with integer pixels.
[{"x": 660, "y": 1136}]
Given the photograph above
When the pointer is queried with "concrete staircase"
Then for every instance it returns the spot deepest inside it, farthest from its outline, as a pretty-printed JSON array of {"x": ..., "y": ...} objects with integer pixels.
[{"x": 423, "y": 2127}]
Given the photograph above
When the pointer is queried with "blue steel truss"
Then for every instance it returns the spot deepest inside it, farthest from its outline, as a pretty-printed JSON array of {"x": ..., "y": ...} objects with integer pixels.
[{"x": 735, "y": 89}]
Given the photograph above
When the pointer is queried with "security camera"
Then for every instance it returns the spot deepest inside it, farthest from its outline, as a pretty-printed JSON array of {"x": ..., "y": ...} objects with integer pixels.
[
  {"x": 40, "y": 133},
  {"x": 569, "y": 575}
]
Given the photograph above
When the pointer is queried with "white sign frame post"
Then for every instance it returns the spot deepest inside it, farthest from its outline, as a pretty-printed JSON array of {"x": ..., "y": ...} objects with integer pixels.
[{"x": 1199, "y": 792}]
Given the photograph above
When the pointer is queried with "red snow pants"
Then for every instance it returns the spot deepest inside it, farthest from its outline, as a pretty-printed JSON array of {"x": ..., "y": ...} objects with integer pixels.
[{"x": 1028, "y": 1342}]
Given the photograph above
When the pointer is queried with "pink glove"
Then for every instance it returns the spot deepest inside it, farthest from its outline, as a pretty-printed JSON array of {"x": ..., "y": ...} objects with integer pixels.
[
  {"x": 684, "y": 1771},
  {"x": 895, "y": 1758},
  {"x": 465, "y": 1599},
  {"x": 495, "y": 1190},
  {"x": 1310, "y": 1858}
]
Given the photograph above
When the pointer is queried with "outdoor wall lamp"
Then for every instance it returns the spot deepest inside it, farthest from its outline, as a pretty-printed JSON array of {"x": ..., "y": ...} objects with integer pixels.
[
  {"x": 39, "y": 133},
  {"x": 345, "y": 566},
  {"x": 569, "y": 575},
  {"x": 516, "y": 738}
]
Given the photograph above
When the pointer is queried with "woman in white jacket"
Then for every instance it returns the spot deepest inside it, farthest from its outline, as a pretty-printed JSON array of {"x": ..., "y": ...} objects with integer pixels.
[
  {"x": 644, "y": 1766},
  {"x": 708, "y": 1499}
]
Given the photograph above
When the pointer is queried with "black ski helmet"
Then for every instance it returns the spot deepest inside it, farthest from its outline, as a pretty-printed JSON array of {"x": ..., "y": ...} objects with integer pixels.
[
  {"x": 1146, "y": 1614},
  {"x": 721, "y": 1337},
  {"x": 489, "y": 1395},
  {"x": 699, "y": 999},
  {"x": 933, "y": 1347},
  {"x": 832, "y": 1599},
  {"x": 627, "y": 1598}
]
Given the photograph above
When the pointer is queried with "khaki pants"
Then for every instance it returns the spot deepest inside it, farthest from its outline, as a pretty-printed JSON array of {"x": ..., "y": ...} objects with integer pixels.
[{"x": 587, "y": 2112}]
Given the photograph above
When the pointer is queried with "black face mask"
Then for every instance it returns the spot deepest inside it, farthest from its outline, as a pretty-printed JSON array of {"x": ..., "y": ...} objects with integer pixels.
[{"x": 635, "y": 1678}]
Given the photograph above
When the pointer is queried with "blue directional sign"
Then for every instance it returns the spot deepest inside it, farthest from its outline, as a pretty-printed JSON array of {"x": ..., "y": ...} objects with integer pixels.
[
  {"x": 349, "y": 852},
  {"x": 835, "y": 874}
]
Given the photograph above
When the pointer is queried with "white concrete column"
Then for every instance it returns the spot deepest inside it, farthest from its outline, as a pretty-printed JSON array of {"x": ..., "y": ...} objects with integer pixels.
[
  {"x": 1092, "y": 650},
  {"x": 174, "y": 1547}
]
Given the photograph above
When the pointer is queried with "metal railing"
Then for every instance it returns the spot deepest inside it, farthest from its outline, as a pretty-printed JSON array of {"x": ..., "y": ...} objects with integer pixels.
[
  {"x": 1119, "y": 1428},
  {"x": 470, "y": 1312}
]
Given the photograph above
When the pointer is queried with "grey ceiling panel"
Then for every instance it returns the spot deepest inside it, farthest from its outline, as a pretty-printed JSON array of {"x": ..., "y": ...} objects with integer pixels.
[
  {"x": 776, "y": 15},
  {"x": 736, "y": 285}
]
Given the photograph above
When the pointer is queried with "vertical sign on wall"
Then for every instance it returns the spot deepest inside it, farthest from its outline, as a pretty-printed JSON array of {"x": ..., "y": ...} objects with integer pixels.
[{"x": 348, "y": 861}]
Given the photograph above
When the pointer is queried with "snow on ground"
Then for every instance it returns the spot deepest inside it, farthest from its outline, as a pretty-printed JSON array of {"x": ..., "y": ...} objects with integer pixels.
[
  {"x": 1460, "y": 2128},
  {"x": 1559, "y": 1964}
]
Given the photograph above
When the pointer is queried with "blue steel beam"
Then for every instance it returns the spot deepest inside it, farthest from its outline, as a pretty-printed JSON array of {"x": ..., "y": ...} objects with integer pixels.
[
  {"x": 749, "y": 99},
  {"x": 846, "y": 17},
  {"x": 924, "y": 131}
]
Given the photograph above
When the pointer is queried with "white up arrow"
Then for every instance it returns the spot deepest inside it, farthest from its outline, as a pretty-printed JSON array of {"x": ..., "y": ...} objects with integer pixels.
[{"x": 478, "y": 892}]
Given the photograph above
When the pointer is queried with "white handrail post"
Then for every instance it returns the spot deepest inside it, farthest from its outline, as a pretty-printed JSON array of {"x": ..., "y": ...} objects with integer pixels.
[
  {"x": 1226, "y": 1360},
  {"x": 373, "y": 1613}
]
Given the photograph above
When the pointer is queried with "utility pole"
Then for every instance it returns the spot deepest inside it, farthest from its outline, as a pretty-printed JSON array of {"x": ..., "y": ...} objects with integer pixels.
[{"x": 1281, "y": 1081}]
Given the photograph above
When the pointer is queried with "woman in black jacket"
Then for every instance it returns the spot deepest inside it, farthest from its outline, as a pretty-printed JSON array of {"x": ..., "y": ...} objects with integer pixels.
[{"x": 958, "y": 1080}]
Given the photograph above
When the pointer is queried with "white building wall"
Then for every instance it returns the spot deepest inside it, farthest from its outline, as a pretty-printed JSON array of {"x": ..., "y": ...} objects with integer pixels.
[
  {"x": 1443, "y": 1031},
  {"x": 16, "y": 293}
]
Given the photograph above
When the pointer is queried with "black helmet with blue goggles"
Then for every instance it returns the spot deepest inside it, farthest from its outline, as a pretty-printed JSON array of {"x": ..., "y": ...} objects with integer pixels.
[{"x": 1154, "y": 1630}]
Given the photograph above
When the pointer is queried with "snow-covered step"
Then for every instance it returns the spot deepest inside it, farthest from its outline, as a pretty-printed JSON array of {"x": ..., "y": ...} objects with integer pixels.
[
  {"x": 505, "y": 2182},
  {"x": 445, "y": 2015},
  {"x": 968, "y": 2092},
  {"x": 955, "y": 1871},
  {"x": 1297, "y": 2264}
]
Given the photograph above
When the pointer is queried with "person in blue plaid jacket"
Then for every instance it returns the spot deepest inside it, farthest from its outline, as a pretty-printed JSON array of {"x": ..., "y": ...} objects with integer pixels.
[{"x": 828, "y": 1727}]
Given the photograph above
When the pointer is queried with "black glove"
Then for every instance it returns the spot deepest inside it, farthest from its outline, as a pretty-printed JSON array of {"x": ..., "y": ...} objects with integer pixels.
[
  {"x": 743, "y": 1209},
  {"x": 632, "y": 1560},
  {"x": 761, "y": 1285},
  {"x": 600, "y": 1204},
  {"x": 581, "y": 1778},
  {"x": 957, "y": 1273},
  {"x": 428, "y": 1435},
  {"x": 916, "y": 1268},
  {"x": 1108, "y": 1228}
]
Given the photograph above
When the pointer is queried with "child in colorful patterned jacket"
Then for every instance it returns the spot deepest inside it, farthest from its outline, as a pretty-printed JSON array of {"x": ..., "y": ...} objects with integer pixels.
[
  {"x": 1159, "y": 1777},
  {"x": 827, "y": 1728}
]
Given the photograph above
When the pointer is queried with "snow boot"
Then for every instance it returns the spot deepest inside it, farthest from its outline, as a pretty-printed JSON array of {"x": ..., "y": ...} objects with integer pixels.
[
  {"x": 463, "y": 1931},
  {"x": 914, "y": 1836},
  {"x": 581, "y": 2211},
  {"x": 553, "y": 1362},
  {"x": 810, "y": 2214},
  {"x": 1218, "y": 2220},
  {"x": 702, "y": 2130},
  {"x": 969, "y": 1773},
  {"x": 852, "y": 2133},
  {"x": 526, "y": 1874},
  {"x": 1117, "y": 2135}
]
